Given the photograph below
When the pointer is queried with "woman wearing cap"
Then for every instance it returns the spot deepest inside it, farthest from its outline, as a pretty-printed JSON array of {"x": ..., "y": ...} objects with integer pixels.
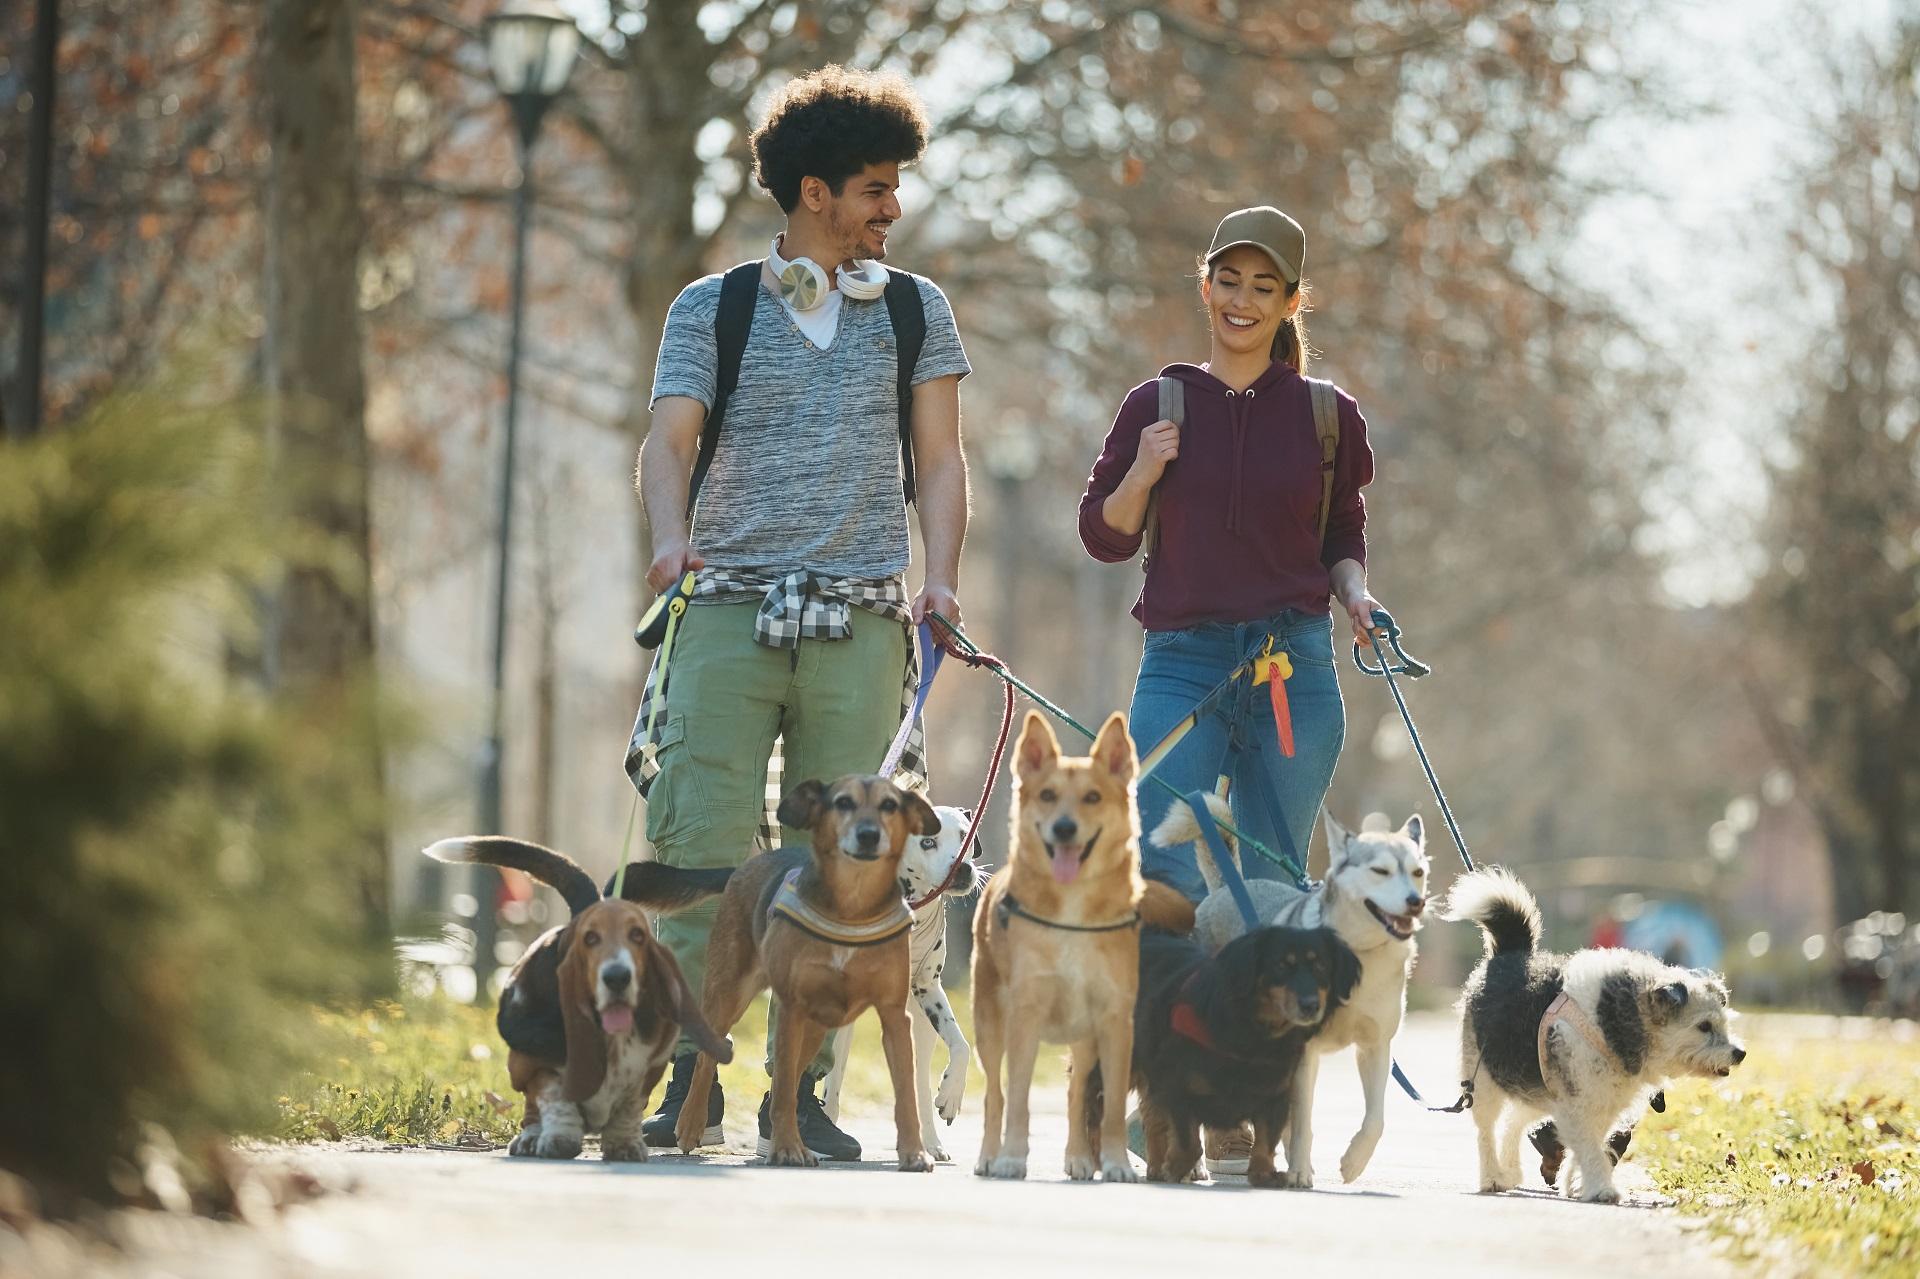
[{"x": 1236, "y": 555}]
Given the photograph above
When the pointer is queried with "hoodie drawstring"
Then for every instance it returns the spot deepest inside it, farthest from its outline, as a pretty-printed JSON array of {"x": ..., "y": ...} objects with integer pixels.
[{"x": 1239, "y": 408}]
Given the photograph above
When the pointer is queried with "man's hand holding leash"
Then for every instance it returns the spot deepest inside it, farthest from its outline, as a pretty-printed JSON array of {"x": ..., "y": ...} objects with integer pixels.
[{"x": 671, "y": 562}]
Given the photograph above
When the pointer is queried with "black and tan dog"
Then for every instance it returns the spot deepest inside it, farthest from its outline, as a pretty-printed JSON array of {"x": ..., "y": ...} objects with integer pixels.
[
  {"x": 1218, "y": 1040},
  {"x": 591, "y": 1012},
  {"x": 826, "y": 929}
]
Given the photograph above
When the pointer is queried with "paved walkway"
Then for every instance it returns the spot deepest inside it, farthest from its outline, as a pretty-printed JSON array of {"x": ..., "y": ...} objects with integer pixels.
[{"x": 1413, "y": 1212}]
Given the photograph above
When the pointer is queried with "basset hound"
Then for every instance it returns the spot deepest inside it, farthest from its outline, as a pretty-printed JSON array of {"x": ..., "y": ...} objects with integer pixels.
[{"x": 591, "y": 1012}]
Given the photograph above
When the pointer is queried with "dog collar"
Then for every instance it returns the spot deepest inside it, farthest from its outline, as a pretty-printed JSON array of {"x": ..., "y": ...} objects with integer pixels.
[
  {"x": 1010, "y": 906},
  {"x": 1186, "y": 1023},
  {"x": 1563, "y": 1008},
  {"x": 787, "y": 904}
]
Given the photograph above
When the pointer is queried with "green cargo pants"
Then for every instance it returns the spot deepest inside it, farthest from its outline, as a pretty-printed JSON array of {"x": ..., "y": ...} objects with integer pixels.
[{"x": 836, "y": 703}]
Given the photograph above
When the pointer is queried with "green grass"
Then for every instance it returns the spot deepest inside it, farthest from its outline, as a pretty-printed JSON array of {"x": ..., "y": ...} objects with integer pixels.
[
  {"x": 1808, "y": 1157},
  {"x": 421, "y": 1070}
]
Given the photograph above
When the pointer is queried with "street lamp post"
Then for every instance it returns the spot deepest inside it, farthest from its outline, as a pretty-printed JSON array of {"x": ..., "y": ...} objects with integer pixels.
[{"x": 531, "y": 47}]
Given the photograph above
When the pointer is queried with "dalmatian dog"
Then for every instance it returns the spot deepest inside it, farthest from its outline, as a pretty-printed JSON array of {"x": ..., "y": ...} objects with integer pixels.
[{"x": 923, "y": 868}]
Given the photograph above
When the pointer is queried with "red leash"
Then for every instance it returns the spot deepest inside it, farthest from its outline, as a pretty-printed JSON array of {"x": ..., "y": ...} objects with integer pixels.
[{"x": 993, "y": 663}]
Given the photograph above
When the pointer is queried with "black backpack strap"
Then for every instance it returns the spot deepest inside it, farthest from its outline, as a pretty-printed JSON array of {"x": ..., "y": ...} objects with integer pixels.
[
  {"x": 909, "y": 318},
  {"x": 732, "y": 322}
]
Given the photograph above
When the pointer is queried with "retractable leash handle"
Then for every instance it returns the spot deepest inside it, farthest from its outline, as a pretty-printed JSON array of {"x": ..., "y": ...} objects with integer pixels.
[
  {"x": 667, "y": 607},
  {"x": 1384, "y": 625}
]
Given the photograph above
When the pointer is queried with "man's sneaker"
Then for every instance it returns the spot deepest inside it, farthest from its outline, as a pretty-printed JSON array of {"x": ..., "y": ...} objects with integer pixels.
[
  {"x": 817, "y": 1132},
  {"x": 1229, "y": 1150},
  {"x": 658, "y": 1129}
]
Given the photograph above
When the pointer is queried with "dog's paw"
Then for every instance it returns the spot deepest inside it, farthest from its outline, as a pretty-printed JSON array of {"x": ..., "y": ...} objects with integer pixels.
[
  {"x": 946, "y": 1102},
  {"x": 1003, "y": 1168},
  {"x": 1112, "y": 1170},
  {"x": 525, "y": 1145},
  {"x": 1496, "y": 1185},
  {"x": 916, "y": 1161},
  {"x": 1266, "y": 1178},
  {"x": 799, "y": 1157},
  {"x": 624, "y": 1152},
  {"x": 1198, "y": 1175},
  {"x": 558, "y": 1146},
  {"x": 1300, "y": 1178},
  {"x": 1080, "y": 1167},
  {"x": 1600, "y": 1195},
  {"x": 1355, "y": 1160},
  {"x": 930, "y": 1142}
]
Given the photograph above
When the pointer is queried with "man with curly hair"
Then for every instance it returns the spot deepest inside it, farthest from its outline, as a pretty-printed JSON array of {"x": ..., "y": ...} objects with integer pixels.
[{"x": 797, "y": 640}]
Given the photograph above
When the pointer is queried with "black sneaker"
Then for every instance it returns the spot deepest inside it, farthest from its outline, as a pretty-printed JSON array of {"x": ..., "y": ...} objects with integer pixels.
[
  {"x": 817, "y": 1132},
  {"x": 658, "y": 1129}
]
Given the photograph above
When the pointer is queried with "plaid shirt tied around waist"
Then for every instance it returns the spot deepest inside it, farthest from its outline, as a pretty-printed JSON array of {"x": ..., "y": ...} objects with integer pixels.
[{"x": 793, "y": 606}]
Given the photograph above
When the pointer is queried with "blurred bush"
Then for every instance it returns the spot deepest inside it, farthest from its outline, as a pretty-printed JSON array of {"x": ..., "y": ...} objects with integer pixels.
[{"x": 170, "y": 902}]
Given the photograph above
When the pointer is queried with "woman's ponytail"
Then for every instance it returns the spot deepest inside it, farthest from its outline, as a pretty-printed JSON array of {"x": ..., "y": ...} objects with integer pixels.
[{"x": 1290, "y": 339}]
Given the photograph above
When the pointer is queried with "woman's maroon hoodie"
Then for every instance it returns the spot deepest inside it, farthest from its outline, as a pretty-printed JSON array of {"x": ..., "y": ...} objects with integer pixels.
[{"x": 1239, "y": 506}]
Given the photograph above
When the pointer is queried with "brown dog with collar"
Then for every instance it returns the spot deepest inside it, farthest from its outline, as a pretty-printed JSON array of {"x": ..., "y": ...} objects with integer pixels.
[
  {"x": 1056, "y": 943},
  {"x": 825, "y": 928}
]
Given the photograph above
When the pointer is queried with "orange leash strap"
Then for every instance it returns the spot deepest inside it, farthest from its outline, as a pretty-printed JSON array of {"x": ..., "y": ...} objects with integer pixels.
[{"x": 1278, "y": 670}]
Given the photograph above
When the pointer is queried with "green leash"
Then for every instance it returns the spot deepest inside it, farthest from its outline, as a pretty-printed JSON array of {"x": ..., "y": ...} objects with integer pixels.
[{"x": 1246, "y": 841}]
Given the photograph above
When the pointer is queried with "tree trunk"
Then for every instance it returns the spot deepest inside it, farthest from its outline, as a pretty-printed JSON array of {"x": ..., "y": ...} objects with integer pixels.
[{"x": 320, "y": 635}]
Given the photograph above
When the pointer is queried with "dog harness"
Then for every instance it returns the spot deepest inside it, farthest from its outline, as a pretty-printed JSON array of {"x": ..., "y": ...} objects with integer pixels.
[
  {"x": 1010, "y": 906},
  {"x": 1563, "y": 1008},
  {"x": 787, "y": 904}
]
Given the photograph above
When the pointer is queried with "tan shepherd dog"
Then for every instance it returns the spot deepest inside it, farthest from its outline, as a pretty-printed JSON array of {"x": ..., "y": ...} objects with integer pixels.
[{"x": 1056, "y": 943}]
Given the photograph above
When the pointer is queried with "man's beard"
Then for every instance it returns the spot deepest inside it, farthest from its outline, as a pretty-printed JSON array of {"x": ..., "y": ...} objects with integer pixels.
[{"x": 854, "y": 236}]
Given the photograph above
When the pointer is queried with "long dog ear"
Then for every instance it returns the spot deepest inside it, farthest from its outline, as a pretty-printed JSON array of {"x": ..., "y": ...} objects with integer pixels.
[
  {"x": 800, "y": 807},
  {"x": 921, "y": 819},
  {"x": 673, "y": 996},
  {"x": 1346, "y": 970},
  {"x": 586, "y": 1065}
]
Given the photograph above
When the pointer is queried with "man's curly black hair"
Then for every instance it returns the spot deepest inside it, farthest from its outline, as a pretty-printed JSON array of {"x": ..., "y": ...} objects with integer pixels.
[{"x": 832, "y": 123}]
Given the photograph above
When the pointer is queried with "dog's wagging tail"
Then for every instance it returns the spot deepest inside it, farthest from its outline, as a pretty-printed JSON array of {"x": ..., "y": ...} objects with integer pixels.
[
  {"x": 1501, "y": 905},
  {"x": 651, "y": 884}
]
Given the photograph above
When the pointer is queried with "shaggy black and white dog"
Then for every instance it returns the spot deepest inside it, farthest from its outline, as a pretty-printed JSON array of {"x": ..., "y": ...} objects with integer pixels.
[{"x": 1581, "y": 1038}]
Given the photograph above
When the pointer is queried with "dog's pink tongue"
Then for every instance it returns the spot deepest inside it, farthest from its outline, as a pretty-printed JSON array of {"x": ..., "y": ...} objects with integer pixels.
[
  {"x": 1066, "y": 864},
  {"x": 616, "y": 1019}
]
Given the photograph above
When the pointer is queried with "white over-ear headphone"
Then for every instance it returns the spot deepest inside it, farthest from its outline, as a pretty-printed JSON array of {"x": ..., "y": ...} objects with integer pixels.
[{"x": 804, "y": 285}]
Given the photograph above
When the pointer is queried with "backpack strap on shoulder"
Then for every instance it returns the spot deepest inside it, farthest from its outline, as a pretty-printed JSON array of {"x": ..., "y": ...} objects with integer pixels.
[
  {"x": 1172, "y": 393},
  {"x": 1326, "y": 425},
  {"x": 909, "y": 318},
  {"x": 732, "y": 322}
]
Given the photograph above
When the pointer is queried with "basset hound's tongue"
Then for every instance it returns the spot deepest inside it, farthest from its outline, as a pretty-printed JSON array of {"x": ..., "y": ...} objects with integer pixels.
[{"x": 616, "y": 1019}]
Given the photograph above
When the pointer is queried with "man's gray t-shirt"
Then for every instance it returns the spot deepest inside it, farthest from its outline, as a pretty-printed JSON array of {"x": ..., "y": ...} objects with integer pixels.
[{"x": 807, "y": 474}]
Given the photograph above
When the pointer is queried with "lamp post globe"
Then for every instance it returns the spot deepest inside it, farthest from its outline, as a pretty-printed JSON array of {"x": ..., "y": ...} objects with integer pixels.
[{"x": 531, "y": 49}]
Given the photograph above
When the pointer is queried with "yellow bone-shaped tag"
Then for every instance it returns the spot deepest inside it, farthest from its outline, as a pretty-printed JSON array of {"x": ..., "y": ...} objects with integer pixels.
[{"x": 1265, "y": 664}]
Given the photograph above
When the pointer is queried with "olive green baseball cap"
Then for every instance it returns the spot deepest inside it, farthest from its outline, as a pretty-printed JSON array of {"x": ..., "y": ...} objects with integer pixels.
[{"x": 1266, "y": 229}]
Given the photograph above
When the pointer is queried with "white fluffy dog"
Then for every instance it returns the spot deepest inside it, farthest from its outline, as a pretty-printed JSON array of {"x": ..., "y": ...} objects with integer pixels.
[
  {"x": 1372, "y": 897},
  {"x": 1583, "y": 1038},
  {"x": 924, "y": 867}
]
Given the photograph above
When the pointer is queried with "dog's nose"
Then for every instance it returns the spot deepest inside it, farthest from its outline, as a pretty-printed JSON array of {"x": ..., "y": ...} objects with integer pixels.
[
  {"x": 868, "y": 834},
  {"x": 616, "y": 978},
  {"x": 1415, "y": 904},
  {"x": 1739, "y": 1055},
  {"x": 1310, "y": 1005},
  {"x": 1064, "y": 829}
]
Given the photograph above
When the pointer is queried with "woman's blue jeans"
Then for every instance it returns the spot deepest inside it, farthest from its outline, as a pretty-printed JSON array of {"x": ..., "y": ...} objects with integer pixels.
[{"x": 1177, "y": 669}]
